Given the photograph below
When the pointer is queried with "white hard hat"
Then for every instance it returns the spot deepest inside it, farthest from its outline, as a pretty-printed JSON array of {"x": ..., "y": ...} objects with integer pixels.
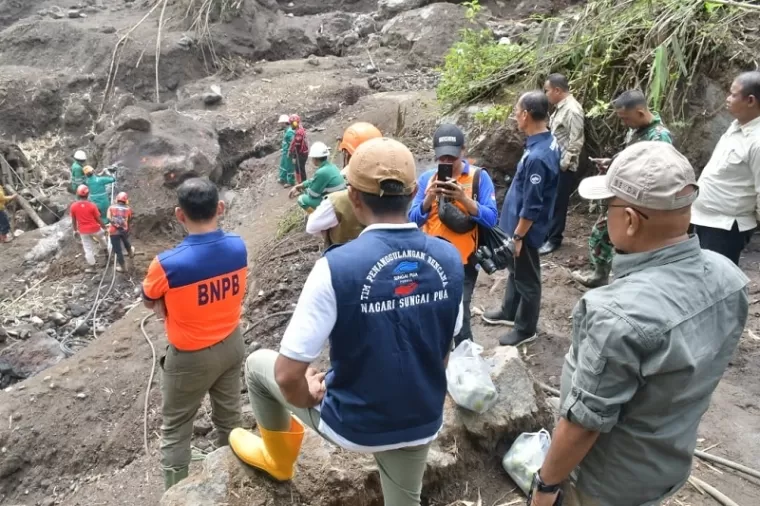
[
  {"x": 284, "y": 118},
  {"x": 80, "y": 155},
  {"x": 319, "y": 150}
]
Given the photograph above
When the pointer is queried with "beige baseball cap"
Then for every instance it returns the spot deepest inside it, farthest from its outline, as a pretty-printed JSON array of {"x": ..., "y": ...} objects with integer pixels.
[
  {"x": 648, "y": 174},
  {"x": 381, "y": 159}
]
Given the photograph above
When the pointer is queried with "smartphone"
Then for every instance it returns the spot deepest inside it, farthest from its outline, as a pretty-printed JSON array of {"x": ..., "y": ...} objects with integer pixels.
[{"x": 445, "y": 171}]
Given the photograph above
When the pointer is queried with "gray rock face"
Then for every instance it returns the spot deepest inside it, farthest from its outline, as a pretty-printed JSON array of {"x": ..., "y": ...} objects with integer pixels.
[
  {"x": 326, "y": 474},
  {"x": 133, "y": 118},
  {"x": 428, "y": 32},
  {"x": 388, "y": 8}
]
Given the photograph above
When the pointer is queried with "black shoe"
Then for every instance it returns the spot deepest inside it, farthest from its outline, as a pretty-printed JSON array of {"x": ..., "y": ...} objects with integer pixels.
[
  {"x": 496, "y": 317},
  {"x": 548, "y": 247},
  {"x": 515, "y": 338}
]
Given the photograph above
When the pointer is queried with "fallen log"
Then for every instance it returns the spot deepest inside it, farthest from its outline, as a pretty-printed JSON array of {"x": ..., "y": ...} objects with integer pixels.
[{"x": 28, "y": 209}]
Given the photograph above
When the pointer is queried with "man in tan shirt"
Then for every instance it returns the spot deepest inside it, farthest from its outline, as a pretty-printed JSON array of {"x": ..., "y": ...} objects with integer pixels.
[{"x": 566, "y": 124}]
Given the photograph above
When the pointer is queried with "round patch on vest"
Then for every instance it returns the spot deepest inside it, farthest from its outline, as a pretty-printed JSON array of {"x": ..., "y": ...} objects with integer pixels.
[{"x": 535, "y": 179}]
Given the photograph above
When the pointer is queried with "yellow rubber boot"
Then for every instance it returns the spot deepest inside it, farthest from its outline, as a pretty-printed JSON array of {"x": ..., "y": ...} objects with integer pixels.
[{"x": 275, "y": 453}]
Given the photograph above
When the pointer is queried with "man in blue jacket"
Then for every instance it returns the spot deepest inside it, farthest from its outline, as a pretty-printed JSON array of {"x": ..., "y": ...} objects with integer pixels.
[
  {"x": 453, "y": 209},
  {"x": 382, "y": 395},
  {"x": 526, "y": 217}
]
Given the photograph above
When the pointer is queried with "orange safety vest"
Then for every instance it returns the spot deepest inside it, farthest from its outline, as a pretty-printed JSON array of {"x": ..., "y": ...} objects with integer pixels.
[
  {"x": 119, "y": 215},
  {"x": 465, "y": 243}
]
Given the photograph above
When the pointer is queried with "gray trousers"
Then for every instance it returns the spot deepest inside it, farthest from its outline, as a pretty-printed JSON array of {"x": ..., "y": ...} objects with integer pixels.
[
  {"x": 186, "y": 378},
  {"x": 401, "y": 471}
]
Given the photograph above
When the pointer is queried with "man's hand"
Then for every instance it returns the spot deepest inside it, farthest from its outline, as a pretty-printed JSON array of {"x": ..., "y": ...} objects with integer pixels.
[
  {"x": 295, "y": 191},
  {"x": 540, "y": 499},
  {"x": 13, "y": 197},
  {"x": 430, "y": 195},
  {"x": 451, "y": 190},
  {"x": 518, "y": 246},
  {"x": 602, "y": 164},
  {"x": 159, "y": 308},
  {"x": 317, "y": 387}
]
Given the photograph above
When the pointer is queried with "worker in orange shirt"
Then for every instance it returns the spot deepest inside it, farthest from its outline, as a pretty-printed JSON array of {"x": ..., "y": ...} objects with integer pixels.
[
  {"x": 120, "y": 220},
  {"x": 198, "y": 288}
]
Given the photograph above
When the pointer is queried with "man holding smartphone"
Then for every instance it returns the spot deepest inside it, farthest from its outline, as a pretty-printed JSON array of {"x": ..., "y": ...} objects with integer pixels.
[{"x": 444, "y": 207}]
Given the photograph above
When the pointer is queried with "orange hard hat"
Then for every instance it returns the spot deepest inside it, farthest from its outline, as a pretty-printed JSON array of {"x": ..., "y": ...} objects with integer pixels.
[
  {"x": 87, "y": 170},
  {"x": 122, "y": 197},
  {"x": 356, "y": 134},
  {"x": 82, "y": 190}
]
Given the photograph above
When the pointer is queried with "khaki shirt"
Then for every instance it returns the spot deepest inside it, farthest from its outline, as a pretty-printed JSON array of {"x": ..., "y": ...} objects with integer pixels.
[
  {"x": 566, "y": 124},
  {"x": 648, "y": 351},
  {"x": 729, "y": 187}
]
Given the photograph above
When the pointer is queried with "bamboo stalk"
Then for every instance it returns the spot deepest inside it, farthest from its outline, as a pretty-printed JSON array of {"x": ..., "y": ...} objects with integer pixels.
[
  {"x": 731, "y": 3},
  {"x": 728, "y": 463},
  {"x": 714, "y": 492},
  {"x": 26, "y": 206}
]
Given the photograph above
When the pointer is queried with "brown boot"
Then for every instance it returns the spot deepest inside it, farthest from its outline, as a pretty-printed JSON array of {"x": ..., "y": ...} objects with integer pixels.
[{"x": 600, "y": 276}]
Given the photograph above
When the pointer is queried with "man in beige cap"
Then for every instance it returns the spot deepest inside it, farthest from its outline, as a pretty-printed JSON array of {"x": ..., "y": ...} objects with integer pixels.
[
  {"x": 649, "y": 349},
  {"x": 389, "y": 302}
]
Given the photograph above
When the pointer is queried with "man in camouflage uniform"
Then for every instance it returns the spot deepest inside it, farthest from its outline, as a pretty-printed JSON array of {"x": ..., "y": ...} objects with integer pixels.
[{"x": 643, "y": 125}]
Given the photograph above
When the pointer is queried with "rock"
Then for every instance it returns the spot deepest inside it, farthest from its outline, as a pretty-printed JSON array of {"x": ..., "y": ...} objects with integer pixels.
[
  {"x": 24, "y": 334},
  {"x": 202, "y": 426},
  {"x": 186, "y": 42},
  {"x": 48, "y": 501},
  {"x": 57, "y": 14},
  {"x": 108, "y": 29},
  {"x": 313, "y": 60},
  {"x": 178, "y": 146},
  {"x": 390, "y": 61},
  {"x": 334, "y": 26},
  {"x": 504, "y": 41},
  {"x": 248, "y": 420},
  {"x": 370, "y": 69},
  {"x": 255, "y": 345},
  {"x": 73, "y": 14},
  {"x": 349, "y": 39},
  {"x": 82, "y": 329},
  {"x": 211, "y": 98},
  {"x": 60, "y": 319},
  {"x": 76, "y": 115},
  {"x": 77, "y": 309},
  {"x": 37, "y": 354},
  {"x": 388, "y": 8},
  {"x": 36, "y": 321},
  {"x": 3, "y": 335},
  {"x": 521, "y": 406},
  {"x": 133, "y": 118},
  {"x": 364, "y": 24},
  {"x": 81, "y": 395},
  {"x": 428, "y": 32}
]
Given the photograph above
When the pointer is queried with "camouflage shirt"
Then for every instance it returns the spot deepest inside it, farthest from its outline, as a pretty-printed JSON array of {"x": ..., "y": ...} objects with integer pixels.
[{"x": 655, "y": 131}]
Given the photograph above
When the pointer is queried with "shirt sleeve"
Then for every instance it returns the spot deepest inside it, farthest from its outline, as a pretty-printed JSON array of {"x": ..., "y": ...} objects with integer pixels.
[
  {"x": 317, "y": 184},
  {"x": 487, "y": 212},
  {"x": 605, "y": 366},
  {"x": 416, "y": 214},
  {"x": 754, "y": 167},
  {"x": 314, "y": 317},
  {"x": 571, "y": 154},
  {"x": 155, "y": 284},
  {"x": 322, "y": 219},
  {"x": 460, "y": 319},
  {"x": 533, "y": 195}
]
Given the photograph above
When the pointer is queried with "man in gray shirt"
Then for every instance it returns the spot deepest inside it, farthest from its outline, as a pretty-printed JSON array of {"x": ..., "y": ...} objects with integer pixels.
[{"x": 649, "y": 349}]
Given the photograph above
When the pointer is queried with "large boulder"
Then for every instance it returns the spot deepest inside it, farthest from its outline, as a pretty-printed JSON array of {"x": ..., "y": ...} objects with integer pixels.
[
  {"x": 177, "y": 146},
  {"x": 388, "y": 8},
  {"x": 711, "y": 119},
  {"x": 328, "y": 475},
  {"x": 427, "y": 33}
]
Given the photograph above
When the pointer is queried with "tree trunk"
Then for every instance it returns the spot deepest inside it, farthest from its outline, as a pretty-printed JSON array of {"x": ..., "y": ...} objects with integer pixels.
[{"x": 25, "y": 206}]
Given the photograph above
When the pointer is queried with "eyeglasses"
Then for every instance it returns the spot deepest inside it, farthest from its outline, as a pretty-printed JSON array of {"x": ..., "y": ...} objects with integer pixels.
[{"x": 643, "y": 215}]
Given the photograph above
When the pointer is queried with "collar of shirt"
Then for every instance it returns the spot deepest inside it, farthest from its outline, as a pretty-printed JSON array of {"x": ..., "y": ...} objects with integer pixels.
[
  {"x": 625, "y": 264},
  {"x": 748, "y": 128},
  {"x": 389, "y": 226},
  {"x": 564, "y": 102},
  {"x": 202, "y": 238},
  {"x": 535, "y": 139}
]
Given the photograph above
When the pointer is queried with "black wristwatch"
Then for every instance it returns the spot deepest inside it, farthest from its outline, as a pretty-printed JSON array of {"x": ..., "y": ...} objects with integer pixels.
[
  {"x": 539, "y": 486},
  {"x": 517, "y": 237}
]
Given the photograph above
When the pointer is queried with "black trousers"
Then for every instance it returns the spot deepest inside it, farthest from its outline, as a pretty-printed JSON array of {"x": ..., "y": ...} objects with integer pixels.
[
  {"x": 567, "y": 182},
  {"x": 728, "y": 243},
  {"x": 470, "y": 278},
  {"x": 522, "y": 300},
  {"x": 300, "y": 163},
  {"x": 116, "y": 241}
]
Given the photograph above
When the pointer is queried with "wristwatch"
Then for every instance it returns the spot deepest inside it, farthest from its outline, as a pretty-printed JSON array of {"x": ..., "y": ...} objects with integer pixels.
[
  {"x": 517, "y": 237},
  {"x": 540, "y": 487}
]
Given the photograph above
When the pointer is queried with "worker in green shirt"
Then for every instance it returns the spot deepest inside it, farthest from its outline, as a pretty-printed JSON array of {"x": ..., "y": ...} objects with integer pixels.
[
  {"x": 77, "y": 170},
  {"x": 327, "y": 179},
  {"x": 98, "y": 193},
  {"x": 287, "y": 175}
]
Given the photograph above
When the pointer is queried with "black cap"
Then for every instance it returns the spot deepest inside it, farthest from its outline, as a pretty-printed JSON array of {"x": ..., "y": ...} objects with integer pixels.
[{"x": 448, "y": 140}]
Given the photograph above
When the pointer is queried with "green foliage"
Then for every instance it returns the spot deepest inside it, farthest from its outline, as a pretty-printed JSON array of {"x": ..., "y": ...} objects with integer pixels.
[
  {"x": 494, "y": 114},
  {"x": 473, "y": 9},
  {"x": 612, "y": 45},
  {"x": 475, "y": 58}
]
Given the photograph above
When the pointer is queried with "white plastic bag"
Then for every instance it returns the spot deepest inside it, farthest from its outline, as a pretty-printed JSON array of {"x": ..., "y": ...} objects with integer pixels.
[
  {"x": 469, "y": 378},
  {"x": 526, "y": 456}
]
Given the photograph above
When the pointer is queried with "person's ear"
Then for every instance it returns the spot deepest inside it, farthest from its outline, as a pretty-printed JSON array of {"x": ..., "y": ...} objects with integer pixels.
[
  {"x": 633, "y": 222},
  {"x": 752, "y": 101},
  {"x": 353, "y": 197},
  {"x": 220, "y": 208},
  {"x": 180, "y": 215}
]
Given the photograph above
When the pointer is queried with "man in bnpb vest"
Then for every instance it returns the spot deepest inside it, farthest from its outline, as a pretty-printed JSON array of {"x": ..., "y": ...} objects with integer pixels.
[
  {"x": 447, "y": 208},
  {"x": 382, "y": 396},
  {"x": 333, "y": 218},
  {"x": 198, "y": 288}
]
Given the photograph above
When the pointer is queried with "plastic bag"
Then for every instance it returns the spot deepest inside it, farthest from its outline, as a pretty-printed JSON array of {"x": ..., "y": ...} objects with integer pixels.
[
  {"x": 469, "y": 378},
  {"x": 525, "y": 457}
]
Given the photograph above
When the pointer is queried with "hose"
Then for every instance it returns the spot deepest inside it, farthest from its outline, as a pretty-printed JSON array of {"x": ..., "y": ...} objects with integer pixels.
[{"x": 150, "y": 382}]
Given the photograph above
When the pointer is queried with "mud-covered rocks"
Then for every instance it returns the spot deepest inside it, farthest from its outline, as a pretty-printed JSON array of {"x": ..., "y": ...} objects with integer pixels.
[
  {"x": 153, "y": 163},
  {"x": 387, "y": 8},
  {"x": 133, "y": 118},
  {"x": 427, "y": 32}
]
